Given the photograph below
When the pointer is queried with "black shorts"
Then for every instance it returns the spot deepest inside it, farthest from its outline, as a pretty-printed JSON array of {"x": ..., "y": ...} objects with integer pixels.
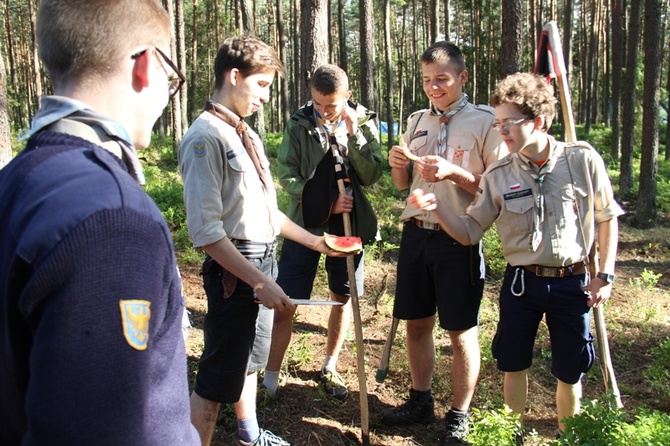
[
  {"x": 237, "y": 331},
  {"x": 564, "y": 306},
  {"x": 437, "y": 272}
]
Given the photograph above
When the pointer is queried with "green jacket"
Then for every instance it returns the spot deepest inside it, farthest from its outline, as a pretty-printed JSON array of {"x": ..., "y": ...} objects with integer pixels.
[{"x": 301, "y": 151}]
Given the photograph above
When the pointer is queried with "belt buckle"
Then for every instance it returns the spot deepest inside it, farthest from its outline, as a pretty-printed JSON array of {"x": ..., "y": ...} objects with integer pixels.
[{"x": 547, "y": 272}]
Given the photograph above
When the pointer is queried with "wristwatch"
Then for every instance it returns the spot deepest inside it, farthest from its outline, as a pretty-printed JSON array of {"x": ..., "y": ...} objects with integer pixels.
[{"x": 609, "y": 278}]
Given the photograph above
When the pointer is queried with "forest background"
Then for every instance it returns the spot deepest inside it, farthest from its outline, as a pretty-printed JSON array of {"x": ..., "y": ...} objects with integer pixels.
[
  {"x": 615, "y": 52},
  {"x": 617, "y": 55}
]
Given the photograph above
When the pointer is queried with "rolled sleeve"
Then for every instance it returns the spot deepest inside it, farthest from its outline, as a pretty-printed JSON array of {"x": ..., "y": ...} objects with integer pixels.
[{"x": 475, "y": 231}]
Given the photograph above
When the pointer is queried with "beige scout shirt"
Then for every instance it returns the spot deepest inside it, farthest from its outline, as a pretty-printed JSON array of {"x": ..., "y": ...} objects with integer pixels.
[
  {"x": 472, "y": 144},
  {"x": 223, "y": 195},
  {"x": 510, "y": 196}
]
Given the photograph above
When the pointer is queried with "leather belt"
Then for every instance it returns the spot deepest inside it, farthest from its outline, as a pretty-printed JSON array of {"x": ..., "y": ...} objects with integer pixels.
[
  {"x": 255, "y": 250},
  {"x": 425, "y": 225},
  {"x": 552, "y": 271}
]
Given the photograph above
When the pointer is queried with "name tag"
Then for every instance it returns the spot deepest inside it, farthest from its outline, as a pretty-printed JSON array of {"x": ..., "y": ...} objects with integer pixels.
[
  {"x": 418, "y": 134},
  {"x": 234, "y": 153},
  {"x": 517, "y": 194}
]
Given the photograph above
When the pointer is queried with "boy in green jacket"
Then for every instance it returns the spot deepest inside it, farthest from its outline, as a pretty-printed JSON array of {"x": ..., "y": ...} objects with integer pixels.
[{"x": 306, "y": 171}]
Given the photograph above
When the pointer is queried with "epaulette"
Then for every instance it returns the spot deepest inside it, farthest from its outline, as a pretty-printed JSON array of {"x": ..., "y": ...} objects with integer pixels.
[
  {"x": 410, "y": 117},
  {"x": 499, "y": 163},
  {"x": 485, "y": 108},
  {"x": 579, "y": 145}
]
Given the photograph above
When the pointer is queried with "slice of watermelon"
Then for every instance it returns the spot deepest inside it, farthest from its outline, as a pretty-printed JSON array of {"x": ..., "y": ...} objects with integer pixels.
[{"x": 343, "y": 243}]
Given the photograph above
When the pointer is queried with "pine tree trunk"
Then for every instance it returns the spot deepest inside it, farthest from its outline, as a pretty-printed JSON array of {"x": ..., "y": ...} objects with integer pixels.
[
  {"x": 646, "y": 201},
  {"x": 5, "y": 136},
  {"x": 314, "y": 39},
  {"x": 367, "y": 17},
  {"x": 389, "y": 73},
  {"x": 617, "y": 67},
  {"x": 512, "y": 19},
  {"x": 629, "y": 100}
]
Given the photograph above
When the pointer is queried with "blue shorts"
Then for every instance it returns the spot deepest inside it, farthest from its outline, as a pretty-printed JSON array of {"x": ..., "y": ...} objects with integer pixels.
[
  {"x": 565, "y": 306},
  {"x": 297, "y": 270},
  {"x": 437, "y": 272},
  {"x": 237, "y": 332}
]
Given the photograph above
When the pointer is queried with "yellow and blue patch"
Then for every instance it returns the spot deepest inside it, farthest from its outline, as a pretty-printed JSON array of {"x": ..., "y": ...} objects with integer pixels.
[{"x": 135, "y": 316}]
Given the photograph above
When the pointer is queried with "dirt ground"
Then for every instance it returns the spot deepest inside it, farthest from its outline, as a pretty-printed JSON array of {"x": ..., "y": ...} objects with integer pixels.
[{"x": 305, "y": 416}]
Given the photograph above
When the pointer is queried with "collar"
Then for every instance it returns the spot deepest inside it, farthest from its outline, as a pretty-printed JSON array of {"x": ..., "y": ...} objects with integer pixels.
[
  {"x": 56, "y": 108},
  {"x": 548, "y": 166},
  {"x": 454, "y": 105}
]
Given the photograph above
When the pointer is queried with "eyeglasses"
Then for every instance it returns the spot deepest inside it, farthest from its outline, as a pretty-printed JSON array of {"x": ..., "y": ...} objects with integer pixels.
[
  {"x": 176, "y": 79},
  {"x": 506, "y": 125}
]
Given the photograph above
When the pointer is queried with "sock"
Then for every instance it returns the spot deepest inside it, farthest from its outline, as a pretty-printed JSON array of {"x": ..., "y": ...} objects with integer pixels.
[
  {"x": 248, "y": 430},
  {"x": 271, "y": 381},
  {"x": 459, "y": 412},
  {"x": 329, "y": 363},
  {"x": 421, "y": 395}
]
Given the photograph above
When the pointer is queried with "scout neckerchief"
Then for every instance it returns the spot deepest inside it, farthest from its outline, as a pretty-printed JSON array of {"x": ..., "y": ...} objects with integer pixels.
[
  {"x": 538, "y": 208},
  {"x": 233, "y": 120},
  {"x": 338, "y": 130},
  {"x": 444, "y": 121},
  {"x": 327, "y": 129},
  {"x": 66, "y": 115}
]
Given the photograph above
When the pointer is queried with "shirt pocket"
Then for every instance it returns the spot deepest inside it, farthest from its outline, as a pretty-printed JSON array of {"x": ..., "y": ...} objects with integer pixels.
[
  {"x": 417, "y": 142},
  {"x": 238, "y": 160},
  {"x": 518, "y": 216},
  {"x": 459, "y": 148},
  {"x": 571, "y": 198}
]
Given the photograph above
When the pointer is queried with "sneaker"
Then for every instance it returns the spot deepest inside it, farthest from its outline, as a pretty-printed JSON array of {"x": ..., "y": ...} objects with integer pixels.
[
  {"x": 266, "y": 438},
  {"x": 518, "y": 439},
  {"x": 264, "y": 397},
  {"x": 457, "y": 427},
  {"x": 333, "y": 384},
  {"x": 412, "y": 411}
]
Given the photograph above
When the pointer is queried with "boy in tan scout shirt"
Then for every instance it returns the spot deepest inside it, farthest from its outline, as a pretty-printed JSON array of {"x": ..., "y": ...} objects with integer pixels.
[
  {"x": 546, "y": 198},
  {"x": 436, "y": 273},
  {"x": 232, "y": 214}
]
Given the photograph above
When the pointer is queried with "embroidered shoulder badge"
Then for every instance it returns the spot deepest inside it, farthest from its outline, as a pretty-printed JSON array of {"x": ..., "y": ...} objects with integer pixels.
[
  {"x": 199, "y": 149},
  {"x": 135, "y": 315}
]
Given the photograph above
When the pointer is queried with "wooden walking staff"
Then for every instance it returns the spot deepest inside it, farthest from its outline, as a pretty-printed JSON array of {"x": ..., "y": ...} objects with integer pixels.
[
  {"x": 385, "y": 361},
  {"x": 353, "y": 288},
  {"x": 549, "y": 63}
]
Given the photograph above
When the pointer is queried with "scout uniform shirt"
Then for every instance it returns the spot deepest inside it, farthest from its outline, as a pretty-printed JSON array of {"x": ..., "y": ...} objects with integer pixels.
[
  {"x": 472, "y": 144},
  {"x": 537, "y": 210},
  {"x": 223, "y": 194}
]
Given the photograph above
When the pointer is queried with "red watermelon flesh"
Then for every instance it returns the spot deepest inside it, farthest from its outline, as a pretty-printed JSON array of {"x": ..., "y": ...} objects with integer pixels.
[{"x": 343, "y": 243}]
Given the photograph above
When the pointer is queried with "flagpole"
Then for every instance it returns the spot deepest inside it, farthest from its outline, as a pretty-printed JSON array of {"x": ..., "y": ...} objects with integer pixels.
[{"x": 553, "y": 46}]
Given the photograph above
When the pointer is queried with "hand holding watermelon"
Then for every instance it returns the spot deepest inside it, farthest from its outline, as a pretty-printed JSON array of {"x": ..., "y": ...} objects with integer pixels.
[{"x": 349, "y": 245}]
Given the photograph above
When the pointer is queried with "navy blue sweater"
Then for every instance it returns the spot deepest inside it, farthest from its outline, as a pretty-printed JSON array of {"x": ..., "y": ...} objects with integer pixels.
[{"x": 78, "y": 236}]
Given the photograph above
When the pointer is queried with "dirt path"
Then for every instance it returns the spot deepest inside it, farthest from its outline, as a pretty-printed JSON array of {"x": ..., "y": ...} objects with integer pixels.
[{"x": 305, "y": 416}]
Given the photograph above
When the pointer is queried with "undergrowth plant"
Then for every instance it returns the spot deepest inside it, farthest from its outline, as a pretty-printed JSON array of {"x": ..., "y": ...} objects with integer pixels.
[
  {"x": 647, "y": 280},
  {"x": 658, "y": 373},
  {"x": 498, "y": 427},
  {"x": 601, "y": 423}
]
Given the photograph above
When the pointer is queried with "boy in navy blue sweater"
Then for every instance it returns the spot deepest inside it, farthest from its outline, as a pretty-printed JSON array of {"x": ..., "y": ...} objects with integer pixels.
[{"x": 90, "y": 305}]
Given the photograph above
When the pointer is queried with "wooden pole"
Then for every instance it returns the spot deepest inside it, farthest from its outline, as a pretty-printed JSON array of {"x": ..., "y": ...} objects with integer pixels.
[
  {"x": 385, "y": 360},
  {"x": 606, "y": 366},
  {"x": 353, "y": 288}
]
